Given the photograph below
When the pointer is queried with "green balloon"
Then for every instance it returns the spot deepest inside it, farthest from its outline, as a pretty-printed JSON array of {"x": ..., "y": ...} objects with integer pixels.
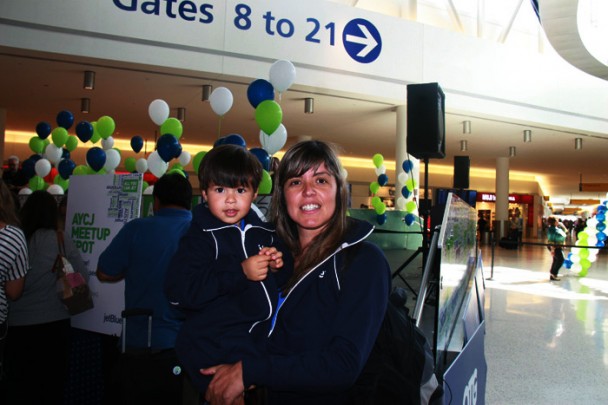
[
  {"x": 265, "y": 186},
  {"x": 410, "y": 206},
  {"x": 105, "y": 126},
  {"x": 71, "y": 143},
  {"x": 380, "y": 208},
  {"x": 378, "y": 159},
  {"x": 36, "y": 183},
  {"x": 177, "y": 166},
  {"x": 196, "y": 162},
  {"x": 130, "y": 164},
  {"x": 61, "y": 182},
  {"x": 96, "y": 136},
  {"x": 144, "y": 185},
  {"x": 376, "y": 201},
  {"x": 59, "y": 136},
  {"x": 178, "y": 171},
  {"x": 36, "y": 145},
  {"x": 268, "y": 115},
  {"x": 81, "y": 170},
  {"x": 172, "y": 126},
  {"x": 374, "y": 187}
]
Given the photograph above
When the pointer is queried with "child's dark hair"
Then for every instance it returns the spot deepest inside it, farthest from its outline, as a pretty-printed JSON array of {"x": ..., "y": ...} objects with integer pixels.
[{"x": 230, "y": 166}]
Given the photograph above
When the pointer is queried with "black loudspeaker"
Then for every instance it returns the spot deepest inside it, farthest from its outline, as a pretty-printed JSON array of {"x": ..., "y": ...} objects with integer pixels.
[
  {"x": 461, "y": 172},
  {"x": 425, "y": 121}
]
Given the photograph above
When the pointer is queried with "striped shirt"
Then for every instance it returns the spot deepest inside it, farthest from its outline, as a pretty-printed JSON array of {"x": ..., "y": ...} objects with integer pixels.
[{"x": 13, "y": 262}]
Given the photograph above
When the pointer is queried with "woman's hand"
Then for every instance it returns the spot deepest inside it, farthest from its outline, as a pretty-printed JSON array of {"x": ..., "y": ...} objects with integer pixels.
[{"x": 226, "y": 387}]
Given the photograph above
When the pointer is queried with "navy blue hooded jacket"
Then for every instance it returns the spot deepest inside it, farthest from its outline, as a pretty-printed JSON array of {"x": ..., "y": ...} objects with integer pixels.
[
  {"x": 326, "y": 326},
  {"x": 206, "y": 281}
]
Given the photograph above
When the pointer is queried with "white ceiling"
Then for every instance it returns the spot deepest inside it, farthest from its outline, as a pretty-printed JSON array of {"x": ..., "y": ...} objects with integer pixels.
[{"x": 35, "y": 86}]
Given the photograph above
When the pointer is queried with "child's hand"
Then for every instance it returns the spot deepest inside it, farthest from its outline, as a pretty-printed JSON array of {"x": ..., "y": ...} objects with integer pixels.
[
  {"x": 256, "y": 267},
  {"x": 276, "y": 261}
]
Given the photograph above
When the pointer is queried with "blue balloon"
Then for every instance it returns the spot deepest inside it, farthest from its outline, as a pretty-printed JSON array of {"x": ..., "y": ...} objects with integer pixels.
[
  {"x": 262, "y": 156},
  {"x": 65, "y": 154},
  {"x": 29, "y": 168},
  {"x": 66, "y": 168},
  {"x": 65, "y": 119},
  {"x": 600, "y": 243},
  {"x": 381, "y": 219},
  {"x": 407, "y": 165},
  {"x": 235, "y": 139},
  {"x": 84, "y": 131},
  {"x": 43, "y": 129},
  {"x": 600, "y": 216},
  {"x": 167, "y": 146},
  {"x": 601, "y": 237},
  {"x": 405, "y": 192},
  {"x": 219, "y": 141},
  {"x": 259, "y": 90},
  {"x": 601, "y": 208},
  {"x": 178, "y": 150},
  {"x": 409, "y": 218},
  {"x": 383, "y": 179},
  {"x": 567, "y": 264},
  {"x": 96, "y": 158},
  {"x": 137, "y": 143},
  {"x": 601, "y": 226}
]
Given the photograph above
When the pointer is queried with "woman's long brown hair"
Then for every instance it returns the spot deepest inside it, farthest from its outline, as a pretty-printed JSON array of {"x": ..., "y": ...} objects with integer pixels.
[{"x": 298, "y": 160}]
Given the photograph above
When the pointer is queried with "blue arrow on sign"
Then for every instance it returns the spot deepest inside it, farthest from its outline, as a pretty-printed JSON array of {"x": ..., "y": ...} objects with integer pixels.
[{"x": 362, "y": 40}]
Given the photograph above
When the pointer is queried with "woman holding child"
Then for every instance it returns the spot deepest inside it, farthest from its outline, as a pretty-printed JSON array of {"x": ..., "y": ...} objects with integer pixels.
[{"x": 330, "y": 310}]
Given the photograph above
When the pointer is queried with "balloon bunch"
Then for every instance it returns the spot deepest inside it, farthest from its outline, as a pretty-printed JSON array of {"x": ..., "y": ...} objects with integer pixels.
[
  {"x": 168, "y": 146},
  {"x": 374, "y": 187},
  {"x": 268, "y": 113},
  {"x": 52, "y": 163},
  {"x": 579, "y": 259},
  {"x": 405, "y": 200}
]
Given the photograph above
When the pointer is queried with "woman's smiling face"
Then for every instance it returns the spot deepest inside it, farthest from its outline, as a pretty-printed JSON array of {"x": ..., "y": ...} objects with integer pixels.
[{"x": 311, "y": 200}]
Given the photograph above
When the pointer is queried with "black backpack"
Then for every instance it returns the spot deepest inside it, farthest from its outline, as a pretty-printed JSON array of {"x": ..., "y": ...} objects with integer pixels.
[{"x": 400, "y": 368}]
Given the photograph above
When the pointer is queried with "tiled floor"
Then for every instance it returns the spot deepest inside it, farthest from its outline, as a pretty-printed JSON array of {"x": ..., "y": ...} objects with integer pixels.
[{"x": 545, "y": 340}]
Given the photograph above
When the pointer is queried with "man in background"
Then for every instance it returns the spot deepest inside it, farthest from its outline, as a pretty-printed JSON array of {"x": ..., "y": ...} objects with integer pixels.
[{"x": 140, "y": 253}]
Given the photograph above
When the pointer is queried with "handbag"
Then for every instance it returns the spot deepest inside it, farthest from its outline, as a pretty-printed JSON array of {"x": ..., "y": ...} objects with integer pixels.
[{"x": 72, "y": 288}]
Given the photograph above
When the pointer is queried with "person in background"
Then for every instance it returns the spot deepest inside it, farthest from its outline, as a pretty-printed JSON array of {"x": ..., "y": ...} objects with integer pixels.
[
  {"x": 12, "y": 175},
  {"x": 330, "y": 310},
  {"x": 218, "y": 277},
  {"x": 38, "y": 338},
  {"x": 556, "y": 235},
  {"x": 13, "y": 262},
  {"x": 140, "y": 253}
]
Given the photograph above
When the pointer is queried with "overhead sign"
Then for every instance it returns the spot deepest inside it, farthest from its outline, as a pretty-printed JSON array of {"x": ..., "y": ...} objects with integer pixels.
[{"x": 362, "y": 41}]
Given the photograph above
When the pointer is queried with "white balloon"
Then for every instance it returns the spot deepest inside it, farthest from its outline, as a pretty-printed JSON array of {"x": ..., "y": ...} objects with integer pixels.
[
  {"x": 380, "y": 170},
  {"x": 158, "y": 111},
  {"x": 273, "y": 143},
  {"x": 221, "y": 100},
  {"x": 148, "y": 190},
  {"x": 400, "y": 203},
  {"x": 25, "y": 191},
  {"x": 156, "y": 164},
  {"x": 42, "y": 167},
  {"x": 112, "y": 159},
  {"x": 107, "y": 143},
  {"x": 184, "y": 158},
  {"x": 141, "y": 165},
  {"x": 53, "y": 153},
  {"x": 55, "y": 189},
  {"x": 402, "y": 178},
  {"x": 282, "y": 75}
]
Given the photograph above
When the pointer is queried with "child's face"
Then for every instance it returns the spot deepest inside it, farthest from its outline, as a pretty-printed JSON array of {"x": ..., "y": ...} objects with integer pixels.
[{"x": 228, "y": 204}]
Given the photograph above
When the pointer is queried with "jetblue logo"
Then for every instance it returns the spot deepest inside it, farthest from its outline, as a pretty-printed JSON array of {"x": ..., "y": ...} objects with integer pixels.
[
  {"x": 470, "y": 391},
  {"x": 362, "y": 40}
]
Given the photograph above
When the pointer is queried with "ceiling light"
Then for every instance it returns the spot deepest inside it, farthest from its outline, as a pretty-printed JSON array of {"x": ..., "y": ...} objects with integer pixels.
[
  {"x": 527, "y": 136},
  {"x": 466, "y": 127},
  {"x": 85, "y": 105},
  {"x": 207, "y": 89},
  {"x": 512, "y": 151},
  {"x": 463, "y": 146},
  {"x": 309, "y": 105},
  {"x": 181, "y": 114},
  {"x": 89, "y": 80},
  {"x": 578, "y": 143}
]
